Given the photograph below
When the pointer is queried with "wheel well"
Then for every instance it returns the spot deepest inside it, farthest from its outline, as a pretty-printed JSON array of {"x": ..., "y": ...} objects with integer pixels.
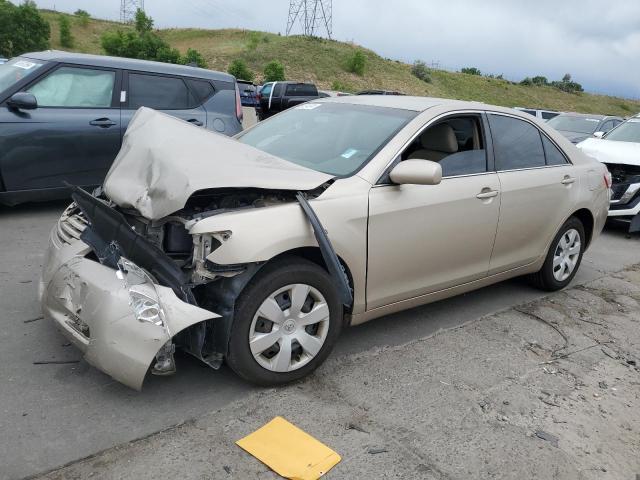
[
  {"x": 314, "y": 255},
  {"x": 587, "y": 220}
]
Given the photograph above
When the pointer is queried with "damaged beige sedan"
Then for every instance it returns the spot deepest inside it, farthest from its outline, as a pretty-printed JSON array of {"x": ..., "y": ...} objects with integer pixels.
[{"x": 257, "y": 251}]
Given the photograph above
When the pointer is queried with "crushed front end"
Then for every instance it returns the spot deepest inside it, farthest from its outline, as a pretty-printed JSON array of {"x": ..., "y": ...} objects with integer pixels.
[{"x": 625, "y": 196}]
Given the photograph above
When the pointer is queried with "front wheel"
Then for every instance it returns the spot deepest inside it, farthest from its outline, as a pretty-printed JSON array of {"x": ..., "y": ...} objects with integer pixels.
[
  {"x": 563, "y": 258},
  {"x": 285, "y": 323}
]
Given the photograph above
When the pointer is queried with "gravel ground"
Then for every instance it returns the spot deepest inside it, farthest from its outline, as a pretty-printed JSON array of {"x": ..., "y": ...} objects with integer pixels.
[{"x": 548, "y": 389}]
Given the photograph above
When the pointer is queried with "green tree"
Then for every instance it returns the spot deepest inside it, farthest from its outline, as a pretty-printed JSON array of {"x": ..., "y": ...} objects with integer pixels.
[
  {"x": 419, "y": 69},
  {"x": 471, "y": 71},
  {"x": 82, "y": 17},
  {"x": 66, "y": 39},
  {"x": 274, "y": 72},
  {"x": 143, "y": 22},
  {"x": 22, "y": 29},
  {"x": 240, "y": 70},
  {"x": 357, "y": 63}
]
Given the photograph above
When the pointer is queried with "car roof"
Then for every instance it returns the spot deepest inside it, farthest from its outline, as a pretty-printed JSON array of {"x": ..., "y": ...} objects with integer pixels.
[
  {"x": 588, "y": 115},
  {"x": 128, "y": 63},
  {"x": 416, "y": 104}
]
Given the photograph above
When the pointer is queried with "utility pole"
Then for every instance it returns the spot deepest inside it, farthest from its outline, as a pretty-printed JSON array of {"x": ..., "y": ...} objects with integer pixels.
[
  {"x": 312, "y": 15},
  {"x": 128, "y": 9}
]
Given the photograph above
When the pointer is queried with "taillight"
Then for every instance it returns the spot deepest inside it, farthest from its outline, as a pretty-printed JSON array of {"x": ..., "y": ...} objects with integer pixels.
[
  {"x": 238, "y": 105},
  {"x": 607, "y": 179}
]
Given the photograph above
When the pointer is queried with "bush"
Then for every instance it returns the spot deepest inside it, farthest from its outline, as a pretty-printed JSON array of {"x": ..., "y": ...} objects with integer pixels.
[
  {"x": 357, "y": 63},
  {"x": 194, "y": 57},
  {"x": 240, "y": 70},
  {"x": 274, "y": 72},
  {"x": 22, "y": 29},
  {"x": 66, "y": 39},
  {"x": 567, "y": 85},
  {"x": 471, "y": 71},
  {"x": 339, "y": 86},
  {"x": 420, "y": 70},
  {"x": 82, "y": 17}
]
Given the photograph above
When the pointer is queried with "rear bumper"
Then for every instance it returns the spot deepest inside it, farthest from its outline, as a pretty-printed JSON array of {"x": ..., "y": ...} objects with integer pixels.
[{"x": 90, "y": 305}]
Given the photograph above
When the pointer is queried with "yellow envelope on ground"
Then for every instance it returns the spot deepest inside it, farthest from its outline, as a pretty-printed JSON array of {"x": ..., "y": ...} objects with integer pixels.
[{"x": 289, "y": 451}]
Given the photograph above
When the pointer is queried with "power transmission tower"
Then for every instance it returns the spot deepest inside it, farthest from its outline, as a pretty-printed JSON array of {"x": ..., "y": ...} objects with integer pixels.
[
  {"x": 128, "y": 9},
  {"x": 313, "y": 16}
]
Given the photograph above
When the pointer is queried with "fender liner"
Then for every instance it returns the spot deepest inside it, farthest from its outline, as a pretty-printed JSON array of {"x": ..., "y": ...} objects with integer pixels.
[{"x": 336, "y": 270}]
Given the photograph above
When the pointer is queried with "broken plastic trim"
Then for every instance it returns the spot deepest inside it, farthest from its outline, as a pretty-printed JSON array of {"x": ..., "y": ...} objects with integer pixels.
[
  {"x": 111, "y": 237},
  {"x": 336, "y": 270}
]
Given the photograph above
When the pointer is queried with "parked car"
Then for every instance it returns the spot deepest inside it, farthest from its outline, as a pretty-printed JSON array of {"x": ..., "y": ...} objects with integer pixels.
[
  {"x": 248, "y": 93},
  {"x": 63, "y": 115},
  {"x": 333, "y": 213},
  {"x": 619, "y": 150},
  {"x": 579, "y": 126},
  {"x": 274, "y": 97},
  {"x": 379, "y": 92},
  {"x": 544, "y": 115},
  {"x": 3, "y": 60}
]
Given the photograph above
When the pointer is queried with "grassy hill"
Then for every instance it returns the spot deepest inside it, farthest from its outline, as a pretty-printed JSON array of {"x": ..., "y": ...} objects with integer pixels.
[{"x": 323, "y": 62}]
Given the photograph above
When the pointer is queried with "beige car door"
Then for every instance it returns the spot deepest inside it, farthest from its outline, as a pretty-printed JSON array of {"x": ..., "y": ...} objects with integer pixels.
[
  {"x": 538, "y": 188},
  {"x": 422, "y": 239}
]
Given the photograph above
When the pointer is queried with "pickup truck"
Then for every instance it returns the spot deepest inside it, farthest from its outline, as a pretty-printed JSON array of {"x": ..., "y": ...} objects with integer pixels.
[{"x": 274, "y": 97}]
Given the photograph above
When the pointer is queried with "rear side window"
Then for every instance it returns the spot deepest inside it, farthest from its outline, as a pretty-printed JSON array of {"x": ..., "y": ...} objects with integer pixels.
[
  {"x": 162, "y": 93},
  {"x": 75, "y": 88},
  {"x": 516, "y": 143},
  {"x": 203, "y": 89},
  {"x": 553, "y": 154},
  {"x": 301, "y": 90}
]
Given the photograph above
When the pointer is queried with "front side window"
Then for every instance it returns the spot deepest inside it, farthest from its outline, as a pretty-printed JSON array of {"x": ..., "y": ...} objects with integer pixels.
[
  {"x": 627, "y": 132},
  {"x": 161, "y": 93},
  {"x": 516, "y": 143},
  {"x": 456, "y": 143},
  {"x": 74, "y": 87},
  {"x": 15, "y": 70},
  {"x": 335, "y": 138},
  {"x": 301, "y": 90}
]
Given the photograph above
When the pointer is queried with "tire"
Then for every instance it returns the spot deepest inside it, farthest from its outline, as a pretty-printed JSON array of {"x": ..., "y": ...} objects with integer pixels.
[
  {"x": 276, "y": 287},
  {"x": 549, "y": 277}
]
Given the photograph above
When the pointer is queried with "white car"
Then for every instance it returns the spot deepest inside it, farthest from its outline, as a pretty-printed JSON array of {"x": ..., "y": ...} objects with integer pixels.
[
  {"x": 619, "y": 150},
  {"x": 543, "y": 115}
]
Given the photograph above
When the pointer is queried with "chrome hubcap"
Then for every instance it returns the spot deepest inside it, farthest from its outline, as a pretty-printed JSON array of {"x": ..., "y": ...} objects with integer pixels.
[
  {"x": 289, "y": 328},
  {"x": 566, "y": 255}
]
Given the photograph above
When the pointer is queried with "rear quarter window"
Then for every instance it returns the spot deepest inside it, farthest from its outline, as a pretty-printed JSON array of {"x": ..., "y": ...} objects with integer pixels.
[
  {"x": 301, "y": 90},
  {"x": 516, "y": 144}
]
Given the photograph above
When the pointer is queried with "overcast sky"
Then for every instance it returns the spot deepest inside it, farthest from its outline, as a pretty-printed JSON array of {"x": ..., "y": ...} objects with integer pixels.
[{"x": 597, "y": 41}]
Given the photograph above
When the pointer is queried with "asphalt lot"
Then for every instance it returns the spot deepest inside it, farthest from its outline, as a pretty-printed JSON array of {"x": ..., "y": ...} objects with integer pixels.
[{"x": 53, "y": 414}]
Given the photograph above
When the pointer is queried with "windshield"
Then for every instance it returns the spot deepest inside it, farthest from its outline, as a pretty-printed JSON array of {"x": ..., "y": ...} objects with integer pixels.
[
  {"x": 334, "y": 138},
  {"x": 574, "y": 124},
  {"x": 628, "y": 131},
  {"x": 16, "y": 69}
]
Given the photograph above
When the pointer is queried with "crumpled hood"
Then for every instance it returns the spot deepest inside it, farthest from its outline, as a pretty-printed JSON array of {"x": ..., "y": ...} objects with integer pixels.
[
  {"x": 609, "y": 151},
  {"x": 164, "y": 160}
]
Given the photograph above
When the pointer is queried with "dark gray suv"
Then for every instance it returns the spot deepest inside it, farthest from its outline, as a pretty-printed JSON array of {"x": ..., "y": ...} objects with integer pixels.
[{"x": 63, "y": 115}]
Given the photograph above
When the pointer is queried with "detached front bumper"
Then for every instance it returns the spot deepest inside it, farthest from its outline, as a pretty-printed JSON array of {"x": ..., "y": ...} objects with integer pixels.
[{"x": 91, "y": 305}]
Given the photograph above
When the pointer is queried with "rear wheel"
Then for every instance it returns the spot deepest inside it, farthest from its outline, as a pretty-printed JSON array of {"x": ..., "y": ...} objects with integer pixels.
[
  {"x": 563, "y": 258},
  {"x": 286, "y": 322}
]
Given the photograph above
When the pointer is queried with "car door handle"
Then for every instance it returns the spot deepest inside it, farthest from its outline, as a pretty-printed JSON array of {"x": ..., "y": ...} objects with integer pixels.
[
  {"x": 195, "y": 121},
  {"x": 487, "y": 194},
  {"x": 102, "y": 122},
  {"x": 568, "y": 180}
]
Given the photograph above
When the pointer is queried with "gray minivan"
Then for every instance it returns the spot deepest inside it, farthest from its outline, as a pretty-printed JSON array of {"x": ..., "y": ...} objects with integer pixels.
[{"x": 63, "y": 115}]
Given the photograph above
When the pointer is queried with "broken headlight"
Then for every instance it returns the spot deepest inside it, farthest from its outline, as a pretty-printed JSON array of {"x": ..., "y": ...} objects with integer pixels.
[{"x": 143, "y": 296}]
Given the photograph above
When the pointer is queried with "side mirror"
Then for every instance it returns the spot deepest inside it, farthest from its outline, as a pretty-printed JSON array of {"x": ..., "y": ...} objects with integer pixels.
[
  {"x": 23, "y": 101},
  {"x": 599, "y": 134},
  {"x": 416, "y": 172}
]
